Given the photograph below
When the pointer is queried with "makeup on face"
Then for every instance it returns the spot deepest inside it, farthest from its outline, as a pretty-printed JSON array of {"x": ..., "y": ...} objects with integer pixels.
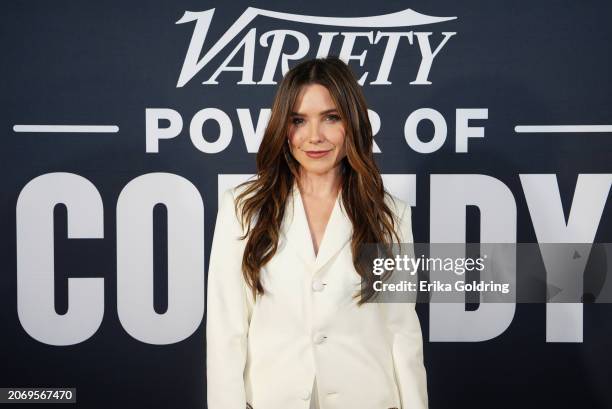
[{"x": 317, "y": 154}]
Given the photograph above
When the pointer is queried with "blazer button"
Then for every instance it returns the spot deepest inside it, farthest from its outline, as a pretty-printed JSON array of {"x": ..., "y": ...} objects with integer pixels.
[
  {"x": 317, "y": 285},
  {"x": 306, "y": 395}
]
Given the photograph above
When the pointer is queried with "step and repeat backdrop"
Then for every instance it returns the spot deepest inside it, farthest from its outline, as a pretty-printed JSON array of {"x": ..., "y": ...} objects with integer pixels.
[{"x": 123, "y": 121}]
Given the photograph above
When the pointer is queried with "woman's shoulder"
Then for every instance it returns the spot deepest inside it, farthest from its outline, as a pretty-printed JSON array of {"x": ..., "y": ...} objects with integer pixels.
[
  {"x": 395, "y": 204},
  {"x": 231, "y": 201},
  {"x": 403, "y": 215},
  {"x": 231, "y": 194}
]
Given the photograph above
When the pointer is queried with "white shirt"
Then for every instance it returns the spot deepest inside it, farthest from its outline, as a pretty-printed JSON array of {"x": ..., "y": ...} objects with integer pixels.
[{"x": 268, "y": 352}]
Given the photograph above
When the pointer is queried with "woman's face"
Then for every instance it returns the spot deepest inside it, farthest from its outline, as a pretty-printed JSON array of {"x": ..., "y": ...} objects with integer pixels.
[{"x": 316, "y": 131}]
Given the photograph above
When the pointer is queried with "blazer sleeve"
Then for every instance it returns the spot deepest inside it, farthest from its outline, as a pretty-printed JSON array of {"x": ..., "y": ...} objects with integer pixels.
[
  {"x": 407, "y": 340},
  {"x": 228, "y": 312}
]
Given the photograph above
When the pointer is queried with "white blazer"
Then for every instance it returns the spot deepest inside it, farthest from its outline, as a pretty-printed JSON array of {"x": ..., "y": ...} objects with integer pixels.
[{"x": 267, "y": 353}]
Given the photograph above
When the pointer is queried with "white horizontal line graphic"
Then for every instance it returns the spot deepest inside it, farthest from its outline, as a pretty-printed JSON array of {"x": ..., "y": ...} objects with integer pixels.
[
  {"x": 67, "y": 128},
  {"x": 562, "y": 128}
]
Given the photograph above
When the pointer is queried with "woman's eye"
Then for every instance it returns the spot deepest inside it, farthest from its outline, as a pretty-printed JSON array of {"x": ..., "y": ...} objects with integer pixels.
[{"x": 298, "y": 121}]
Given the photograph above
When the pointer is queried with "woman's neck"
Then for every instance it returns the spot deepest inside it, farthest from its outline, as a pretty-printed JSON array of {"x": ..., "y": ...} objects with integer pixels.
[{"x": 320, "y": 185}]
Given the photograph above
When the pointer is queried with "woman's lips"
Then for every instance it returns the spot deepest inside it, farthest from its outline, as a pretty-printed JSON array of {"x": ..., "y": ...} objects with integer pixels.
[{"x": 317, "y": 154}]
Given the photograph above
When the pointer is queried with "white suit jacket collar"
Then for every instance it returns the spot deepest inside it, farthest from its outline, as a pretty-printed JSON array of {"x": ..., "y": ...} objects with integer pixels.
[{"x": 297, "y": 234}]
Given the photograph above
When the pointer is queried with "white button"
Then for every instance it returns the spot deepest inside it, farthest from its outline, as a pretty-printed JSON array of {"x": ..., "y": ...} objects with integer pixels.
[
  {"x": 319, "y": 339},
  {"x": 306, "y": 395},
  {"x": 318, "y": 285}
]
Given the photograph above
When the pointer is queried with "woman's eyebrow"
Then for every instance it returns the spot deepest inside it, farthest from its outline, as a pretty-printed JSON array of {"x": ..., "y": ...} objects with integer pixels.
[{"x": 327, "y": 111}]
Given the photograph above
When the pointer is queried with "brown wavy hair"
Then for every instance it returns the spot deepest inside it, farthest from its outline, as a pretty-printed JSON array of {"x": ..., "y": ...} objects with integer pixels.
[{"x": 362, "y": 187}]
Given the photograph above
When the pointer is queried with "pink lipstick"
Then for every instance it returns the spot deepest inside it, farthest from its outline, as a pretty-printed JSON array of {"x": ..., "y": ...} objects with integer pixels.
[{"x": 317, "y": 154}]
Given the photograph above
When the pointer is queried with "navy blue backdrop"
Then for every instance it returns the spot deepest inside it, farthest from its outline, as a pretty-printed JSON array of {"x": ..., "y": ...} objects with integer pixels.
[{"x": 117, "y": 63}]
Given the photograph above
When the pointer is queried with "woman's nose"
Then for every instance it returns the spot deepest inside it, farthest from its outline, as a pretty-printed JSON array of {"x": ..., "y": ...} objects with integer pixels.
[{"x": 315, "y": 134}]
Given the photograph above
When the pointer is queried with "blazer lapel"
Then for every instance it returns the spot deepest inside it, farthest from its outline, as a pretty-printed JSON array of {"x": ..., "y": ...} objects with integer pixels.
[{"x": 295, "y": 229}]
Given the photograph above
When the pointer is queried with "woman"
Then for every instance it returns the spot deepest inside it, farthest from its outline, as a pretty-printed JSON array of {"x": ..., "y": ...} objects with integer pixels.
[{"x": 285, "y": 327}]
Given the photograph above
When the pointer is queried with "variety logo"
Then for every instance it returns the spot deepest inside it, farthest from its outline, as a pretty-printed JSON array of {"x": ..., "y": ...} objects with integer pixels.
[{"x": 276, "y": 41}]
